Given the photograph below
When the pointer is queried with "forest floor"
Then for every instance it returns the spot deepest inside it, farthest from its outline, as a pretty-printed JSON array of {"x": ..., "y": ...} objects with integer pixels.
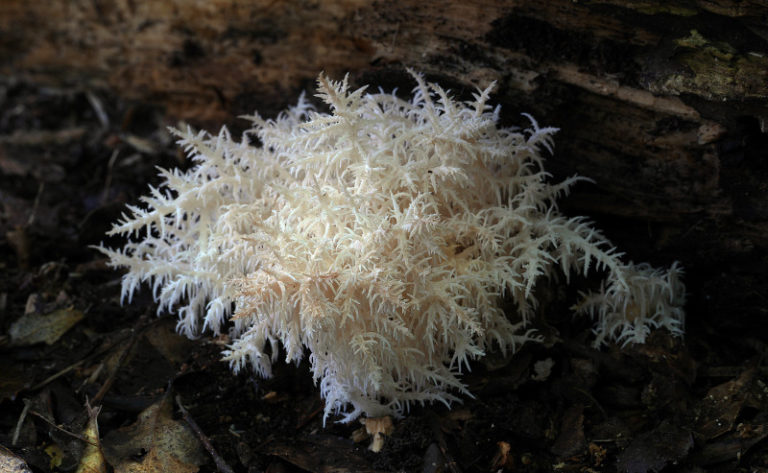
[{"x": 71, "y": 356}]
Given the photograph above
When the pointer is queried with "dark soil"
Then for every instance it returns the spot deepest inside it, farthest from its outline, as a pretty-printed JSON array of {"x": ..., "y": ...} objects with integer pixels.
[{"x": 69, "y": 162}]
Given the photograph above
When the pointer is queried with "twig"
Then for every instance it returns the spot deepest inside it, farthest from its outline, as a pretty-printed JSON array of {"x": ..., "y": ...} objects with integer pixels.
[
  {"x": 36, "y": 204},
  {"x": 76, "y": 364},
  {"x": 220, "y": 463},
  {"x": 108, "y": 178},
  {"x": 111, "y": 379},
  {"x": 17, "y": 431},
  {"x": 98, "y": 108},
  {"x": 43, "y": 138},
  {"x": 595, "y": 402},
  {"x": 62, "y": 429}
]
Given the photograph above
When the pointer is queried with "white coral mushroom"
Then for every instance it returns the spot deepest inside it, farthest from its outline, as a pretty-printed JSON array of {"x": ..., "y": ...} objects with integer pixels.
[{"x": 380, "y": 238}]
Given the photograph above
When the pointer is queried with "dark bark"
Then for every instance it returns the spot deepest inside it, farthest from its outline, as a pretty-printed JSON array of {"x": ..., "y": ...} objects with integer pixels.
[{"x": 665, "y": 107}]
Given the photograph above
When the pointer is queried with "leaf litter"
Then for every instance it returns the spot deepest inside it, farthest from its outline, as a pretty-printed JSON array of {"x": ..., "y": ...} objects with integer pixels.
[{"x": 690, "y": 406}]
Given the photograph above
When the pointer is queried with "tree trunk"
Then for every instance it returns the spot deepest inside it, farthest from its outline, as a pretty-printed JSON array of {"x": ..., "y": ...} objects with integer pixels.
[{"x": 665, "y": 107}]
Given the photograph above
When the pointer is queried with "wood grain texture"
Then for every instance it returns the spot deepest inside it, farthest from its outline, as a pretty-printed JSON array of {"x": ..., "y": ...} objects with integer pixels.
[{"x": 665, "y": 107}]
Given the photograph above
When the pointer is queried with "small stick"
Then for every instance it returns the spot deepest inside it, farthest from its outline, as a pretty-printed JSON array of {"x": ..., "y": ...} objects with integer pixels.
[
  {"x": 111, "y": 379},
  {"x": 62, "y": 429},
  {"x": 136, "y": 331},
  {"x": 76, "y": 364},
  {"x": 220, "y": 463},
  {"x": 108, "y": 178},
  {"x": 36, "y": 204},
  {"x": 17, "y": 431}
]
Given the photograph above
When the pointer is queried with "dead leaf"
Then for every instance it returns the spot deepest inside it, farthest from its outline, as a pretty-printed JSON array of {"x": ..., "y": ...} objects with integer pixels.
[
  {"x": 502, "y": 459},
  {"x": 56, "y": 454},
  {"x": 653, "y": 450},
  {"x": 597, "y": 454},
  {"x": 92, "y": 460},
  {"x": 34, "y": 328},
  {"x": 320, "y": 454},
  {"x": 174, "y": 347},
  {"x": 155, "y": 443},
  {"x": 733, "y": 445},
  {"x": 721, "y": 406},
  {"x": 571, "y": 439},
  {"x": 10, "y": 462}
]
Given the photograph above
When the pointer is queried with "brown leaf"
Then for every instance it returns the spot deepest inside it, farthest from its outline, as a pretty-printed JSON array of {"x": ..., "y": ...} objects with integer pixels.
[
  {"x": 155, "y": 443},
  {"x": 320, "y": 454},
  {"x": 502, "y": 459},
  {"x": 653, "y": 450},
  {"x": 732, "y": 446},
  {"x": 571, "y": 439},
  {"x": 174, "y": 347},
  {"x": 92, "y": 460},
  {"x": 721, "y": 406},
  {"x": 36, "y": 328}
]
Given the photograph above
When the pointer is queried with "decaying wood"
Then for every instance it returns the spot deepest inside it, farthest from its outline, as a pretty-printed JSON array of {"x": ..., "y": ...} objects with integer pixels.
[{"x": 664, "y": 106}]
